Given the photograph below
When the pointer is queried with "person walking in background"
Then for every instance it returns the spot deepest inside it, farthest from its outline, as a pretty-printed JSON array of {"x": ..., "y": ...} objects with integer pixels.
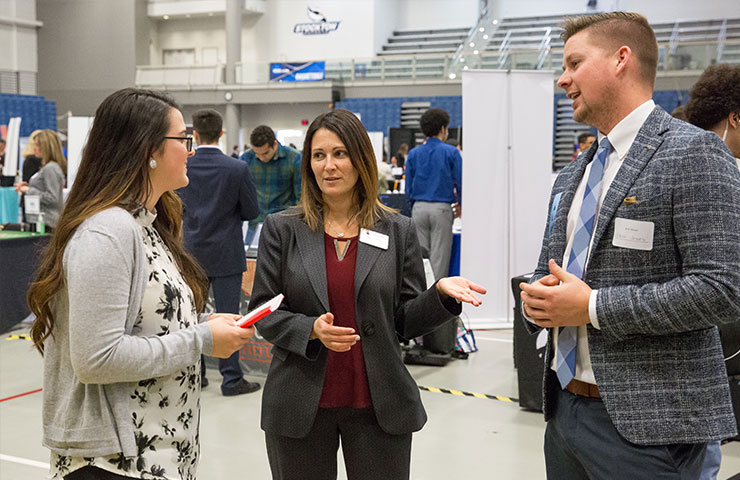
[
  {"x": 399, "y": 159},
  {"x": 433, "y": 184},
  {"x": 48, "y": 183},
  {"x": 714, "y": 105},
  {"x": 235, "y": 152},
  {"x": 220, "y": 196},
  {"x": 117, "y": 303},
  {"x": 640, "y": 262},
  {"x": 276, "y": 170},
  {"x": 585, "y": 140},
  {"x": 352, "y": 275},
  {"x": 31, "y": 163}
]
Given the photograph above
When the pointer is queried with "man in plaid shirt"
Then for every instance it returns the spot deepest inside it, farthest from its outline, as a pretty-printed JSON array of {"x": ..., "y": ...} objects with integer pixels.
[{"x": 276, "y": 170}]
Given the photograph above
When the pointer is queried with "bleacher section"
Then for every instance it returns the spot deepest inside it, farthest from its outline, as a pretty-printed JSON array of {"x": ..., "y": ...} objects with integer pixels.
[
  {"x": 36, "y": 112},
  {"x": 413, "y": 42},
  {"x": 380, "y": 114}
]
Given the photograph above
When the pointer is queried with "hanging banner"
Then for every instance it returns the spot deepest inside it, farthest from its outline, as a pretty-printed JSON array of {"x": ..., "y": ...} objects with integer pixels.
[{"x": 297, "y": 72}]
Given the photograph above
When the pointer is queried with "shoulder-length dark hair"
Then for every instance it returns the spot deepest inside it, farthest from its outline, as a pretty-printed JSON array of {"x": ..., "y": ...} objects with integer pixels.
[
  {"x": 367, "y": 207},
  {"x": 129, "y": 127}
]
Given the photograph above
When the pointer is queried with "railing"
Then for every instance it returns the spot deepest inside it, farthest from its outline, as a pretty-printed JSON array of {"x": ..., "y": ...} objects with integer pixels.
[
  {"x": 721, "y": 39},
  {"x": 180, "y": 75},
  {"x": 13, "y": 81},
  {"x": 692, "y": 56}
]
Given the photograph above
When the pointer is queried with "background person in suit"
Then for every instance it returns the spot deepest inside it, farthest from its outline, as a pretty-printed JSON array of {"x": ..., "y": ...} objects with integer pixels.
[
  {"x": 219, "y": 197},
  {"x": 351, "y": 272},
  {"x": 645, "y": 225}
]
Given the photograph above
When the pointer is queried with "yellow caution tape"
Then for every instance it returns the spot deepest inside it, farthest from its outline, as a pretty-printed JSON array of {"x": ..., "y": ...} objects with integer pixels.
[
  {"x": 19, "y": 337},
  {"x": 468, "y": 394}
]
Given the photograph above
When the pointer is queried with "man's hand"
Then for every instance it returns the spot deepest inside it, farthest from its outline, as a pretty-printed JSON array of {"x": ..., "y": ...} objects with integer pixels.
[{"x": 559, "y": 299}]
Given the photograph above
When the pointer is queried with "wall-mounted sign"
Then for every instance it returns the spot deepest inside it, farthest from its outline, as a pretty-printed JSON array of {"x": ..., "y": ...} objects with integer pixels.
[
  {"x": 297, "y": 72},
  {"x": 319, "y": 24}
]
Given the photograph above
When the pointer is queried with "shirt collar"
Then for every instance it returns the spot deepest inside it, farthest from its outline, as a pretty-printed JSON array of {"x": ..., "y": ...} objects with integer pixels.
[
  {"x": 209, "y": 146},
  {"x": 144, "y": 217},
  {"x": 624, "y": 133}
]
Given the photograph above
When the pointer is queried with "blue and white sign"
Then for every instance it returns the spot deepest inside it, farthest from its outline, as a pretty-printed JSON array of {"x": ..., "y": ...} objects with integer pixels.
[
  {"x": 319, "y": 24},
  {"x": 297, "y": 72}
]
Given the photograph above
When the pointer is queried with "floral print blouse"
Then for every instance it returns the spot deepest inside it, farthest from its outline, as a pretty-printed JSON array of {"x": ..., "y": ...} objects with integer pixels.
[{"x": 165, "y": 411}]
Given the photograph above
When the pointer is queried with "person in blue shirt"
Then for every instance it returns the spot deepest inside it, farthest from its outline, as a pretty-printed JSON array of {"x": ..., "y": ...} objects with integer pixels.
[{"x": 434, "y": 189}]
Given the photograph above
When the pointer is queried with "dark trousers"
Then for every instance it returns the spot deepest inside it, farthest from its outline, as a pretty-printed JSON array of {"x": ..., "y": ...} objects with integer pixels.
[
  {"x": 94, "y": 473},
  {"x": 581, "y": 442},
  {"x": 369, "y": 452},
  {"x": 226, "y": 293}
]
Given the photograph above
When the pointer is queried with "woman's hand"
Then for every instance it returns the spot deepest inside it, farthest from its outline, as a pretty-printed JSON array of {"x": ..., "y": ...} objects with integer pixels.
[
  {"x": 338, "y": 339},
  {"x": 461, "y": 289},
  {"x": 227, "y": 336},
  {"x": 21, "y": 187}
]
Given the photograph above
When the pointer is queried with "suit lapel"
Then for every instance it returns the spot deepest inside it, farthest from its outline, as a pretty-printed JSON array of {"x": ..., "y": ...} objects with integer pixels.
[
  {"x": 643, "y": 148},
  {"x": 311, "y": 248},
  {"x": 366, "y": 257}
]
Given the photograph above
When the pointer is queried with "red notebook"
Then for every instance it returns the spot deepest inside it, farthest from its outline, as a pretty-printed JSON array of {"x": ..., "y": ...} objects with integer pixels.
[{"x": 260, "y": 312}]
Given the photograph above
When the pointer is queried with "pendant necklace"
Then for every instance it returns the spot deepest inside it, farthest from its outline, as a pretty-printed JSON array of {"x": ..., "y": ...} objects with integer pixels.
[{"x": 340, "y": 252}]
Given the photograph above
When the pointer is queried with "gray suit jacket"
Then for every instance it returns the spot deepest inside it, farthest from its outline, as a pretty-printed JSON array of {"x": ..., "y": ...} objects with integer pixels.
[
  {"x": 657, "y": 357},
  {"x": 390, "y": 297}
]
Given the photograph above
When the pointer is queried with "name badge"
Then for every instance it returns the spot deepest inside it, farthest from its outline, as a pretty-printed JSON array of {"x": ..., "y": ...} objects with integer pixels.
[
  {"x": 633, "y": 234},
  {"x": 375, "y": 239}
]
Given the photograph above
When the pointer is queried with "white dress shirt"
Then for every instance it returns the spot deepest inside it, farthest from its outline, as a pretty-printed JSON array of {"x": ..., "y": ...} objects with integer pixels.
[{"x": 621, "y": 137}]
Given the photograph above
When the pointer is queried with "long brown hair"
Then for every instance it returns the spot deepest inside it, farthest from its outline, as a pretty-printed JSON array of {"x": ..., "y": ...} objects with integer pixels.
[
  {"x": 50, "y": 148},
  {"x": 367, "y": 207},
  {"x": 129, "y": 127}
]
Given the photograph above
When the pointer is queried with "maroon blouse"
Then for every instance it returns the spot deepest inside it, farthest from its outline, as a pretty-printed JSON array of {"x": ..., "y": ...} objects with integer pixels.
[{"x": 345, "y": 383}]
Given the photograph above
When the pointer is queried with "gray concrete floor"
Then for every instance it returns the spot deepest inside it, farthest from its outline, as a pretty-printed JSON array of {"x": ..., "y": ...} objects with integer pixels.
[{"x": 465, "y": 437}]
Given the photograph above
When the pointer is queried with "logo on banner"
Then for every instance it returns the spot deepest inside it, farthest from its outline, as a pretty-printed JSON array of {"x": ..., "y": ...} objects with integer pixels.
[{"x": 319, "y": 24}]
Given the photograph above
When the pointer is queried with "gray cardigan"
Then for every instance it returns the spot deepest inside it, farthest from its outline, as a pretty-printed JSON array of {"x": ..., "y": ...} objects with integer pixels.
[
  {"x": 48, "y": 184},
  {"x": 92, "y": 358}
]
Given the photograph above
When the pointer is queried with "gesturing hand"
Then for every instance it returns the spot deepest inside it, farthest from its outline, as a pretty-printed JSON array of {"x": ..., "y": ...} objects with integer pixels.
[
  {"x": 559, "y": 299},
  {"x": 338, "y": 339},
  {"x": 461, "y": 289}
]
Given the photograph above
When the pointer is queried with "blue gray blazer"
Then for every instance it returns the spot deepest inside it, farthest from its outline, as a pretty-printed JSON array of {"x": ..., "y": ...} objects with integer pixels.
[
  {"x": 657, "y": 357},
  {"x": 390, "y": 298}
]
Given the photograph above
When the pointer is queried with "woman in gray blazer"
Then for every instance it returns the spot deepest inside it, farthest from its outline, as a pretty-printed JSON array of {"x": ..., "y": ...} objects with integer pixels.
[
  {"x": 352, "y": 275},
  {"x": 48, "y": 182}
]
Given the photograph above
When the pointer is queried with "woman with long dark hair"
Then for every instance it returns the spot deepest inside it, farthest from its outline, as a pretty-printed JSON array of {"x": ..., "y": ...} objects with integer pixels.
[
  {"x": 351, "y": 272},
  {"x": 117, "y": 305}
]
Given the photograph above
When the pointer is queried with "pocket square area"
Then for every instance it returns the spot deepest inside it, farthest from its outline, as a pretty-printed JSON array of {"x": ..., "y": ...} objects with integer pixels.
[{"x": 631, "y": 200}]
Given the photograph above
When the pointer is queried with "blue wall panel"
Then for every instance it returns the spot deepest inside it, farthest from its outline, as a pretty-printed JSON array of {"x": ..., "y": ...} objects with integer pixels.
[{"x": 36, "y": 112}]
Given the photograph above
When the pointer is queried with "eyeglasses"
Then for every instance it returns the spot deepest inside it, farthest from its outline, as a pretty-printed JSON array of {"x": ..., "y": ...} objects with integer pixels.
[{"x": 188, "y": 141}]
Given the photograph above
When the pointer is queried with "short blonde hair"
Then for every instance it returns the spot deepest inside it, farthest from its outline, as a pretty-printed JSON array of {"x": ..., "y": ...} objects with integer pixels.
[{"x": 614, "y": 29}]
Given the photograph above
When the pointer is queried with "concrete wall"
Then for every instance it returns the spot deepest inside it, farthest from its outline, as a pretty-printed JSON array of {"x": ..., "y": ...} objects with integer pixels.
[
  {"x": 18, "y": 42},
  {"x": 87, "y": 50}
]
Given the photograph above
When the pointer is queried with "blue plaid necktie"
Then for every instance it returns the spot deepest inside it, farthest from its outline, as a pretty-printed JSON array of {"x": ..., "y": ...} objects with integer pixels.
[{"x": 565, "y": 362}]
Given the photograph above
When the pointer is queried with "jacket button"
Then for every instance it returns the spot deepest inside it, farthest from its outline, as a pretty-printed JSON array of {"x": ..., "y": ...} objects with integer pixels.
[{"x": 368, "y": 329}]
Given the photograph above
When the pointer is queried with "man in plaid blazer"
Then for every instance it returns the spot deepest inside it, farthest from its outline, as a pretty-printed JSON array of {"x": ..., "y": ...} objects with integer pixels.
[{"x": 642, "y": 387}]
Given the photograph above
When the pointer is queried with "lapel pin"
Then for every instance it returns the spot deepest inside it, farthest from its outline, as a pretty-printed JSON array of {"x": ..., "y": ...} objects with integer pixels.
[
  {"x": 631, "y": 200},
  {"x": 650, "y": 147}
]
